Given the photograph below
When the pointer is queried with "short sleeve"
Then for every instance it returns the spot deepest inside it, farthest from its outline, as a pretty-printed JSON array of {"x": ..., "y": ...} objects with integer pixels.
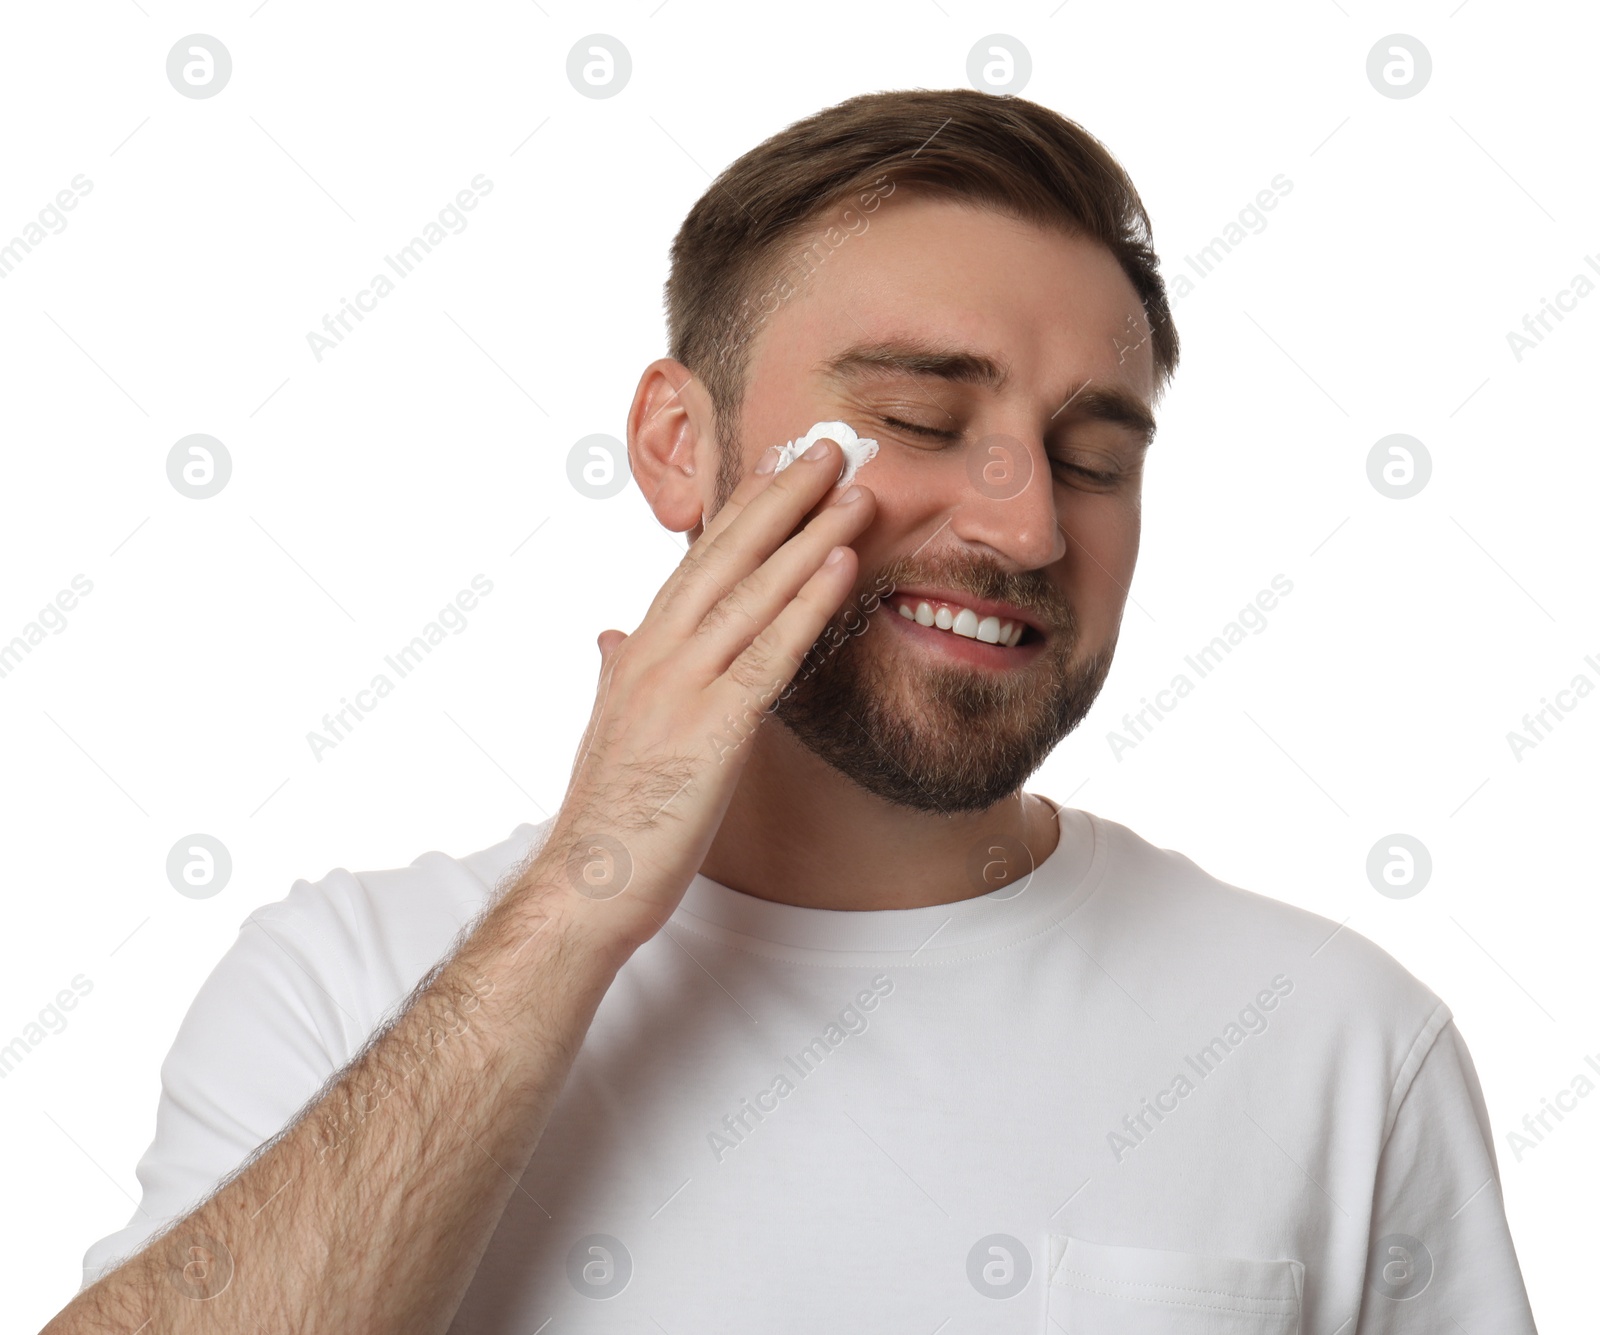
[
  {"x": 1439, "y": 1253},
  {"x": 261, "y": 1037}
]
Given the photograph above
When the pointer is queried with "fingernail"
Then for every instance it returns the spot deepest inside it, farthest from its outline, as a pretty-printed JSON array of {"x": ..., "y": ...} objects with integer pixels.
[
  {"x": 854, "y": 494},
  {"x": 817, "y": 451},
  {"x": 768, "y": 461}
]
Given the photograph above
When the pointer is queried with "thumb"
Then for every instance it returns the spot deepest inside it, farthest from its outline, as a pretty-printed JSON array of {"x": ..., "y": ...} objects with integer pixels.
[{"x": 607, "y": 642}]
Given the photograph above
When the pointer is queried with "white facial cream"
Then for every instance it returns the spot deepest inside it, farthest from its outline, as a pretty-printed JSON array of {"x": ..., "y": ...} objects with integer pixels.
[{"x": 856, "y": 450}]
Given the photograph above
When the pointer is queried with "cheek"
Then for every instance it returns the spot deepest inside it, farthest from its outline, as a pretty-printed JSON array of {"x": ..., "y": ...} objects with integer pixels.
[
  {"x": 1133, "y": 526},
  {"x": 910, "y": 506},
  {"x": 911, "y": 487},
  {"x": 1104, "y": 535}
]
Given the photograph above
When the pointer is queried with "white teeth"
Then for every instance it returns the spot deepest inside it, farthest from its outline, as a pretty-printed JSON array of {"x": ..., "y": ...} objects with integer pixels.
[{"x": 965, "y": 622}]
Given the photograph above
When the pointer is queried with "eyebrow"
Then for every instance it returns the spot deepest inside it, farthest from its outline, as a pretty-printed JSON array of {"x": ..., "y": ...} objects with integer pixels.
[{"x": 1102, "y": 403}]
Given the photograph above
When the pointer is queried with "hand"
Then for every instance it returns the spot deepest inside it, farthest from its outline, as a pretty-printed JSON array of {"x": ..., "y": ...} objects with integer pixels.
[{"x": 658, "y": 762}]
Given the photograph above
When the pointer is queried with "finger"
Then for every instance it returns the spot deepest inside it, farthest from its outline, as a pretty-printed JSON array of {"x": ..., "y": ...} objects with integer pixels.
[
  {"x": 732, "y": 549},
  {"x": 749, "y": 486},
  {"x": 734, "y": 621},
  {"x": 759, "y": 675}
]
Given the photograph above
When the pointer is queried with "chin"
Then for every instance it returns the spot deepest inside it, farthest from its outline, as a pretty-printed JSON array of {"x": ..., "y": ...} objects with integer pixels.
[{"x": 945, "y": 739}]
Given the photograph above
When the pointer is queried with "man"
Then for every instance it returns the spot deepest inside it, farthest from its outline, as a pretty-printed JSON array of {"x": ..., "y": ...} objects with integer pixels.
[{"x": 820, "y": 1021}]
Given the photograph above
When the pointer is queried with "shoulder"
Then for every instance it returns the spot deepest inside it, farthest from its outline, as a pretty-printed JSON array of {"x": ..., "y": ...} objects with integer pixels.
[
  {"x": 368, "y": 937},
  {"x": 1195, "y": 940}
]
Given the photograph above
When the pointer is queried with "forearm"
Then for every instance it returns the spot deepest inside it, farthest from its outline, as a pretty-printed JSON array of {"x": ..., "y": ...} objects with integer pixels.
[{"x": 372, "y": 1210}]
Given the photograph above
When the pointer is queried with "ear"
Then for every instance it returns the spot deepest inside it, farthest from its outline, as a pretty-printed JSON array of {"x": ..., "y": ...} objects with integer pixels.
[{"x": 672, "y": 446}]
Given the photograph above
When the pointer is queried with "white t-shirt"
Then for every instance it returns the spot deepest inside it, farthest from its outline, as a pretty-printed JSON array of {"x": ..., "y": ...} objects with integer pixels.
[{"x": 1125, "y": 1097}]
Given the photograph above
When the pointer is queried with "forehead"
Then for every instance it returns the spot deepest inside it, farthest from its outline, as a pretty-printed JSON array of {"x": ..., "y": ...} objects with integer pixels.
[{"x": 1046, "y": 304}]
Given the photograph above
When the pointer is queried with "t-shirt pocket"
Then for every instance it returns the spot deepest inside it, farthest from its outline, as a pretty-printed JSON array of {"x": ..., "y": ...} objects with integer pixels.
[{"x": 1097, "y": 1289}]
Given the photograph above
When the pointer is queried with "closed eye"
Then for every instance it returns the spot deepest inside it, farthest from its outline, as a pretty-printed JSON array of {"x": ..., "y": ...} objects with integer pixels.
[
  {"x": 936, "y": 433},
  {"x": 930, "y": 431},
  {"x": 1088, "y": 472}
]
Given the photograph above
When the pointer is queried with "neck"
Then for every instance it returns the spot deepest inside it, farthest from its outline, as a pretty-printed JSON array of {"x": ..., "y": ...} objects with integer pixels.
[{"x": 798, "y": 832}]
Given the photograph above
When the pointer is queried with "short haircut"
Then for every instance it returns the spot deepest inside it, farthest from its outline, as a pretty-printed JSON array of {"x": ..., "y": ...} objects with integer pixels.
[{"x": 730, "y": 256}]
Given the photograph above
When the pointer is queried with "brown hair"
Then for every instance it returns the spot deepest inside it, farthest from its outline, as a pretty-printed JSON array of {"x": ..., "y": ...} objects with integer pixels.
[{"x": 730, "y": 256}]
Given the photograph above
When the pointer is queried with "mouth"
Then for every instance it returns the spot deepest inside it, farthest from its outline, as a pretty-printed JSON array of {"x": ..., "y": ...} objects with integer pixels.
[{"x": 975, "y": 631}]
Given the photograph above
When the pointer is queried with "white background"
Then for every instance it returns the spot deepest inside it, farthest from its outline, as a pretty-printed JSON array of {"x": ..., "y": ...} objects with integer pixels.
[{"x": 369, "y": 488}]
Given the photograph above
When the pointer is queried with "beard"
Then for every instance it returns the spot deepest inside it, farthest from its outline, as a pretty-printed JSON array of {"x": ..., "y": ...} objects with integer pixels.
[{"x": 939, "y": 737}]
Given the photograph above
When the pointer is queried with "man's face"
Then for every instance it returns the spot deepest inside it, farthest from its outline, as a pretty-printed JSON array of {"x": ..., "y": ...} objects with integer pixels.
[{"x": 1023, "y": 493}]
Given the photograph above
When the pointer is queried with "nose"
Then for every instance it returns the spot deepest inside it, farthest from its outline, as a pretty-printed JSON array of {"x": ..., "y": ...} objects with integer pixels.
[{"x": 1009, "y": 504}]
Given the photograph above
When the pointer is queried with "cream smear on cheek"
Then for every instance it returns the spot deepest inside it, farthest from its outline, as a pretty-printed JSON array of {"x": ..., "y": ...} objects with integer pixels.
[{"x": 857, "y": 451}]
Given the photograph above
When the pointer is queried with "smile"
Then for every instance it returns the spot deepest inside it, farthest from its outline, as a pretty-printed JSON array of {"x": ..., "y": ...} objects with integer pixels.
[{"x": 965, "y": 633}]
